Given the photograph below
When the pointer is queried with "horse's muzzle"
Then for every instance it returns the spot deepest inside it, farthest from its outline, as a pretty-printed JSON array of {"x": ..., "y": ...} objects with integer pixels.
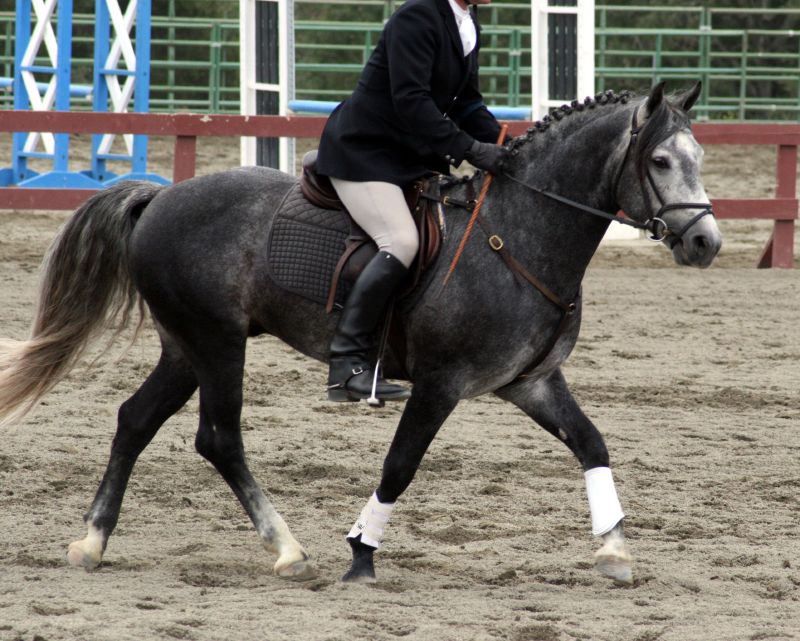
[{"x": 698, "y": 245}]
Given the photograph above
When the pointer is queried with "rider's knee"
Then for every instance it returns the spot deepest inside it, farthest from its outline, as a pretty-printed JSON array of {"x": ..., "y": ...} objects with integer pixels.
[{"x": 405, "y": 246}]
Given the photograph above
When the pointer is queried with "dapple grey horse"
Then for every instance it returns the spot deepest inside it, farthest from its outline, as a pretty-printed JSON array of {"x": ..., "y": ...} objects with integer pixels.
[{"x": 195, "y": 254}]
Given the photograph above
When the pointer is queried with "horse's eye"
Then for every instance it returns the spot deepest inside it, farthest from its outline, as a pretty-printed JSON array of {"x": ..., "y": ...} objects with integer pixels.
[{"x": 661, "y": 162}]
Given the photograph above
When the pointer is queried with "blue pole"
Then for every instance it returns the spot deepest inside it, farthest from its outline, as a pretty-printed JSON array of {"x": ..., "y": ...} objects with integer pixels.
[
  {"x": 63, "y": 64},
  {"x": 22, "y": 35},
  {"x": 141, "y": 92},
  {"x": 102, "y": 35}
]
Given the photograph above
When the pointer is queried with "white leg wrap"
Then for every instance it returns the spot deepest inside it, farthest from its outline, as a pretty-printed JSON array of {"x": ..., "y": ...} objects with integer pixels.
[
  {"x": 372, "y": 522},
  {"x": 603, "y": 502}
]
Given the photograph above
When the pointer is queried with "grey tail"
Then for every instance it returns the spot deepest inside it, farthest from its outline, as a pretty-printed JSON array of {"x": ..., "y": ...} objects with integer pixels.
[{"x": 85, "y": 288}]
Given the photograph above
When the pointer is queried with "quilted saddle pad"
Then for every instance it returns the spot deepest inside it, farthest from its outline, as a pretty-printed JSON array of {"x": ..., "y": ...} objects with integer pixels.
[{"x": 305, "y": 244}]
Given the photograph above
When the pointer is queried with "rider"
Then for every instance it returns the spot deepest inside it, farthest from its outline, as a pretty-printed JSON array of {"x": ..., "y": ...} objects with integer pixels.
[{"x": 416, "y": 109}]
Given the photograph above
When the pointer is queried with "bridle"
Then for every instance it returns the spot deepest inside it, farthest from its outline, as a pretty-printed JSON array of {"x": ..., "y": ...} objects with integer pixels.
[{"x": 657, "y": 227}]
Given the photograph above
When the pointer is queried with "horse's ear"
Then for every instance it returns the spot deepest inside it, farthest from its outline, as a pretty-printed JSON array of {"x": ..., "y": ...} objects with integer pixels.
[
  {"x": 655, "y": 98},
  {"x": 687, "y": 99}
]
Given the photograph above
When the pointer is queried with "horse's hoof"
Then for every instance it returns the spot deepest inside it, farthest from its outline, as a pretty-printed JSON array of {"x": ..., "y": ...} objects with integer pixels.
[
  {"x": 81, "y": 554},
  {"x": 615, "y": 568},
  {"x": 614, "y": 561},
  {"x": 362, "y": 569},
  {"x": 295, "y": 570},
  {"x": 361, "y": 575}
]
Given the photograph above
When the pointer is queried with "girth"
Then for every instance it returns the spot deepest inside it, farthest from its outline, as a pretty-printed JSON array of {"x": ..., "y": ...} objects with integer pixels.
[{"x": 421, "y": 198}]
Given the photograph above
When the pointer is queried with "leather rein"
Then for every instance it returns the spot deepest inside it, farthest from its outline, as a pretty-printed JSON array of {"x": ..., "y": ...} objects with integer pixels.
[{"x": 657, "y": 227}]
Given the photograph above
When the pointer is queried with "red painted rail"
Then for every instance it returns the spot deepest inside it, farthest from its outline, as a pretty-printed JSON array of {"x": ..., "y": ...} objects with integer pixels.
[
  {"x": 186, "y": 128},
  {"x": 783, "y": 209}
]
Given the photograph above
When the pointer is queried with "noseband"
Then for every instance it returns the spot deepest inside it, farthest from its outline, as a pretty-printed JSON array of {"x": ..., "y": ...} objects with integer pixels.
[{"x": 655, "y": 225}]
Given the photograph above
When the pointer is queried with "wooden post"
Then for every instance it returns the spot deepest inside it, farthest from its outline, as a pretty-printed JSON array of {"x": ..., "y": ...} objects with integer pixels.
[
  {"x": 184, "y": 164},
  {"x": 779, "y": 251}
]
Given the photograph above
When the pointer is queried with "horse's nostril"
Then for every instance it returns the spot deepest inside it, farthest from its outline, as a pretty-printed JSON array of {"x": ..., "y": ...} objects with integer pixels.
[{"x": 700, "y": 243}]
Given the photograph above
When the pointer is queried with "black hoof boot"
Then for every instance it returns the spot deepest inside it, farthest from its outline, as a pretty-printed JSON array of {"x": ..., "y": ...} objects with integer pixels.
[
  {"x": 362, "y": 569},
  {"x": 351, "y": 379}
]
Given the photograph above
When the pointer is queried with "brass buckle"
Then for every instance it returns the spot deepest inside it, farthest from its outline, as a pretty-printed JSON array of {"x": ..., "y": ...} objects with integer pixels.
[{"x": 495, "y": 242}]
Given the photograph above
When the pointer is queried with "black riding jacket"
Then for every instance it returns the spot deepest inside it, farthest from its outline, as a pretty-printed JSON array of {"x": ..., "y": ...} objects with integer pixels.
[{"x": 417, "y": 107}]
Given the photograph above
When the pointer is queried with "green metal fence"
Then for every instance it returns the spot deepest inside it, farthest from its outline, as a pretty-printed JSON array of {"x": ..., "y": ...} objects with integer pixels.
[
  {"x": 195, "y": 60},
  {"x": 748, "y": 72}
]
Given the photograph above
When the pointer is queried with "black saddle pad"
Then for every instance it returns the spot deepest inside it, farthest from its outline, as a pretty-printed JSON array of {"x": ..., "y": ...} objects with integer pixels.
[{"x": 305, "y": 244}]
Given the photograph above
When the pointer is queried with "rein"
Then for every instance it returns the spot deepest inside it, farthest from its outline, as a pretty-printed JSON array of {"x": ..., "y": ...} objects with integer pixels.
[{"x": 647, "y": 226}]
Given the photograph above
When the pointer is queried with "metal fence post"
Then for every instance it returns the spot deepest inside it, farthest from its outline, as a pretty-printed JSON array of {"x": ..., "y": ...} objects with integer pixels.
[
  {"x": 657, "y": 59},
  {"x": 493, "y": 54},
  {"x": 215, "y": 76},
  {"x": 705, "y": 60},
  {"x": 171, "y": 52},
  {"x": 600, "y": 79},
  {"x": 515, "y": 63},
  {"x": 743, "y": 77}
]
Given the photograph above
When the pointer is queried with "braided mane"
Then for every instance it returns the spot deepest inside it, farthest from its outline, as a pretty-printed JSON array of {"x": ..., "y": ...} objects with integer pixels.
[
  {"x": 606, "y": 98},
  {"x": 665, "y": 120}
]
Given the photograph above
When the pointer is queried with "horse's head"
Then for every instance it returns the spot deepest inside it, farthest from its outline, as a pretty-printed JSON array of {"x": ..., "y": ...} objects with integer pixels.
[{"x": 659, "y": 177}]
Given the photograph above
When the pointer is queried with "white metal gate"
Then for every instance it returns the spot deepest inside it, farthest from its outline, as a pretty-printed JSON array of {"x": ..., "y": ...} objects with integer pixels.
[{"x": 267, "y": 75}]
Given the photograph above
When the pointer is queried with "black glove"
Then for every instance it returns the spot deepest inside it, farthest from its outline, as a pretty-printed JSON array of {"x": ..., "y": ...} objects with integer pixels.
[{"x": 485, "y": 155}]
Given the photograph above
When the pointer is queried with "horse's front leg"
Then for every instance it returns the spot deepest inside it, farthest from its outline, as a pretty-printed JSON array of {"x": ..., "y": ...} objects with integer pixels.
[
  {"x": 549, "y": 402},
  {"x": 424, "y": 414}
]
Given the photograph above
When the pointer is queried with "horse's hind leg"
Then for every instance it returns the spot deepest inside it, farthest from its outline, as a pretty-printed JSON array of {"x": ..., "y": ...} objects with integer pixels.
[
  {"x": 549, "y": 402},
  {"x": 220, "y": 368},
  {"x": 164, "y": 392}
]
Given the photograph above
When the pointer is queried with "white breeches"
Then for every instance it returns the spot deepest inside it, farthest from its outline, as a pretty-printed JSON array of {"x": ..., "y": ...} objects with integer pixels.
[{"x": 380, "y": 209}]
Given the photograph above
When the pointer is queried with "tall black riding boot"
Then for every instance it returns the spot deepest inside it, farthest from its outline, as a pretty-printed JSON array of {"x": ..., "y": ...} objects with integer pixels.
[{"x": 351, "y": 374}]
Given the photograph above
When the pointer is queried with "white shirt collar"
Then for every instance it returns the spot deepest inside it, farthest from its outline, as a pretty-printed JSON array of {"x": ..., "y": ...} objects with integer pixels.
[
  {"x": 466, "y": 27},
  {"x": 458, "y": 11}
]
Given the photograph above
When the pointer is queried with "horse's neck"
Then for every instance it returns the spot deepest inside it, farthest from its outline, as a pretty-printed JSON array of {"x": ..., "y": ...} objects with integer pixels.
[{"x": 548, "y": 236}]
